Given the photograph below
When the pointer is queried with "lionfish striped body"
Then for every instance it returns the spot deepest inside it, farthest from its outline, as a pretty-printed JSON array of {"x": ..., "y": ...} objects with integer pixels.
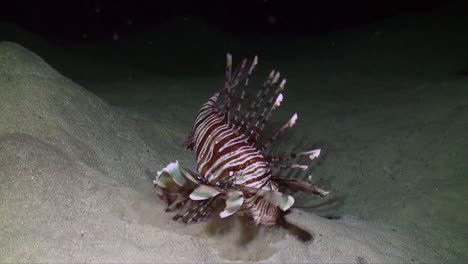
[
  {"x": 231, "y": 162},
  {"x": 225, "y": 155}
]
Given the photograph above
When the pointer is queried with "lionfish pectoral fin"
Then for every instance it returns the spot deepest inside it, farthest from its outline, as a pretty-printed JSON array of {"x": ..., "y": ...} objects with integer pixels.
[
  {"x": 300, "y": 186},
  {"x": 203, "y": 192},
  {"x": 300, "y": 233},
  {"x": 195, "y": 211},
  {"x": 176, "y": 203},
  {"x": 191, "y": 175},
  {"x": 174, "y": 184},
  {"x": 283, "y": 201},
  {"x": 169, "y": 175},
  {"x": 234, "y": 202},
  {"x": 176, "y": 179},
  {"x": 172, "y": 200}
]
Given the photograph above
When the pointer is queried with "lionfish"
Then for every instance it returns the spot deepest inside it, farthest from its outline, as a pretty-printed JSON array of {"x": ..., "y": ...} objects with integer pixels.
[{"x": 232, "y": 164}]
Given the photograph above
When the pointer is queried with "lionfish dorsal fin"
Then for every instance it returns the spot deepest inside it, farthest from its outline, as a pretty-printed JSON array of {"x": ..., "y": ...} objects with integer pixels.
[
  {"x": 263, "y": 116},
  {"x": 240, "y": 77},
  {"x": 189, "y": 141},
  {"x": 259, "y": 111}
]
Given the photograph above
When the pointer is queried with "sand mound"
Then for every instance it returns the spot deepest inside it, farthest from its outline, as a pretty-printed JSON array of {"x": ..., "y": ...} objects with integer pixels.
[{"x": 73, "y": 189}]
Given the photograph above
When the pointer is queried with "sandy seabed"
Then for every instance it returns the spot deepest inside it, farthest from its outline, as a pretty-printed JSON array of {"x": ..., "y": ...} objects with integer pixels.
[{"x": 73, "y": 166}]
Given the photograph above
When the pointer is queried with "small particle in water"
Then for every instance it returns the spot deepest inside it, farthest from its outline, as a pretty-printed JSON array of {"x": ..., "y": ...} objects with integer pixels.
[
  {"x": 361, "y": 260},
  {"x": 271, "y": 19}
]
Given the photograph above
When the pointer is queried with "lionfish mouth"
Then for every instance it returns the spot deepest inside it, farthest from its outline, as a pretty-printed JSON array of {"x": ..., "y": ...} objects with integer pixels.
[{"x": 232, "y": 165}]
